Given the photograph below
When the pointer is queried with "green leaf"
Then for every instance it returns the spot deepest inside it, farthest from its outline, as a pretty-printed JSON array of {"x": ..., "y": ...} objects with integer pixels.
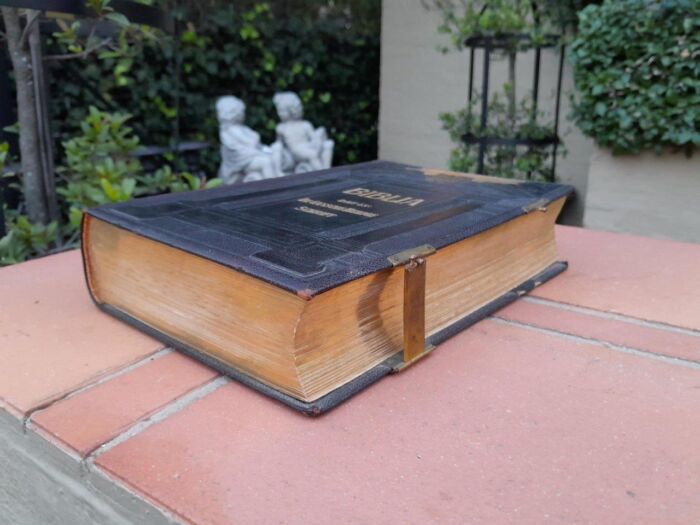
[
  {"x": 128, "y": 186},
  {"x": 75, "y": 217},
  {"x": 213, "y": 183},
  {"x": 12, "y": 128},
  {"x": 192, "y": 181},
  {"x": 109, "y": 190},
  {"x": 688, "y": 24},
  {"x": 51, "y": 229},
  {"x": 118, "y": 18}
]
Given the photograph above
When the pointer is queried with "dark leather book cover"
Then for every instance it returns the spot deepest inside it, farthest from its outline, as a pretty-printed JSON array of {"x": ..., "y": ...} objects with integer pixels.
[{"x": 312, "y": 232}]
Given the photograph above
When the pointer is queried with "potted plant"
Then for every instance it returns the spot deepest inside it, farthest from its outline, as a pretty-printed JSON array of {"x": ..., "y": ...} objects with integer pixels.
[
  {"x": 502, "y": 132},
  {"x": 636, "y": 67},
  {"x": 521, "y": 133}
]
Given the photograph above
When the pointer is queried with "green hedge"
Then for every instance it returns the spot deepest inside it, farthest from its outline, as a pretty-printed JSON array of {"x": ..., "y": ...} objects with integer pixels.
[
  {"x": 331, "y": 63},
  {"x": 637, "y": 73}
]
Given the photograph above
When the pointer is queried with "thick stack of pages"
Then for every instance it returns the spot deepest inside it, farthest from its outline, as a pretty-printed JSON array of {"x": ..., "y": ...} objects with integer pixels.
[{"x": 287, "y": 284}]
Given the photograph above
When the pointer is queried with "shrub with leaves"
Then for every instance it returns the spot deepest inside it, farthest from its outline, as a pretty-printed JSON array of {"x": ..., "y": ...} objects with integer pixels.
[
  {"x": 637, "y": 72},
  {"x": 521, "y": 162},
  {"x": 99, "y": 168},
  {"x": 23, "y": 238},
  {"x": 497, "y": 18},
  {"x": 107, "y": 34}
]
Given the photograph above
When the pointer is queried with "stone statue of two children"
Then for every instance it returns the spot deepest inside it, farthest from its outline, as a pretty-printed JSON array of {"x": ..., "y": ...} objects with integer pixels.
[{"x": 299, "y": 146}]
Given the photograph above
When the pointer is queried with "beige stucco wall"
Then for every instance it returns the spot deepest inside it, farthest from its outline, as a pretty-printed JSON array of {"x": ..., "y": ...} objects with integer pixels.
[
  {"x": 647, "y": 194},
  {"x": 418, "y": 83}
]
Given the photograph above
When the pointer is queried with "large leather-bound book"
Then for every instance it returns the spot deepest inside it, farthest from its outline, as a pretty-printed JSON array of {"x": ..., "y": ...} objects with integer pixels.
[{"x": 297, "y": 286}]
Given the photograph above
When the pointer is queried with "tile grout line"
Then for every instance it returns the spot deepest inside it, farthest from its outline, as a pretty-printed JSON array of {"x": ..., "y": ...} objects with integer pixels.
[
  {"x": 612, "y": 316},
  {"x": 173, "y": 407},
  {"x": 161, "y": 352},
  {"x": 598, "y": 342}
]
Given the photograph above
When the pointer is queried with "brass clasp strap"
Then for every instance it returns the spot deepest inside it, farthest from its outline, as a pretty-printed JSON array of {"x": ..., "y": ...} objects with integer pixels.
[{"x": 414, "y": 265}]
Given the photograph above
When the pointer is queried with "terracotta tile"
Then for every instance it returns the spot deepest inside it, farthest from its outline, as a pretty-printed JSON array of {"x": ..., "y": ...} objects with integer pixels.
[
  {"x": 650, "y": 279},
  {"x": 52, "y": 337},
  {"x": 500, "y": 425},
  {"x": 87, "y": 420},
  {"x": 663, "y": 341}
]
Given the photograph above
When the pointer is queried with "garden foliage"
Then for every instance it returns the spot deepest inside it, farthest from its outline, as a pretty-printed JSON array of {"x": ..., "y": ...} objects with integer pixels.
[
  {"x": 534, "y": 19},
  {"x": 99, "y": 168},
  {"x": 519, "y": 25},
  {"x": 165, "y": 89},
  {"x": 501, "y": 161},
  {"x": 330, "y": 61},
  {"x": 637, "y": 73}
]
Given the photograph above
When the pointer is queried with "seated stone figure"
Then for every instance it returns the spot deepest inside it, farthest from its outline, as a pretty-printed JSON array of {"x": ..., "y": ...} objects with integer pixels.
[
  {"x": 243, "y": 157},
  {"x": 304, "y": 148}
]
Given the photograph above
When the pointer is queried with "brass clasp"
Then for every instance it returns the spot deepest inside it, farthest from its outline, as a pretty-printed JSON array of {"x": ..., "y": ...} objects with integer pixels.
[{"x": 414, "y": 271}]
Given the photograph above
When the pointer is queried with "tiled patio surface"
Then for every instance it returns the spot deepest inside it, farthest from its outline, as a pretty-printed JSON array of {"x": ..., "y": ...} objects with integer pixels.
[{"x": 579, "y": 404}]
